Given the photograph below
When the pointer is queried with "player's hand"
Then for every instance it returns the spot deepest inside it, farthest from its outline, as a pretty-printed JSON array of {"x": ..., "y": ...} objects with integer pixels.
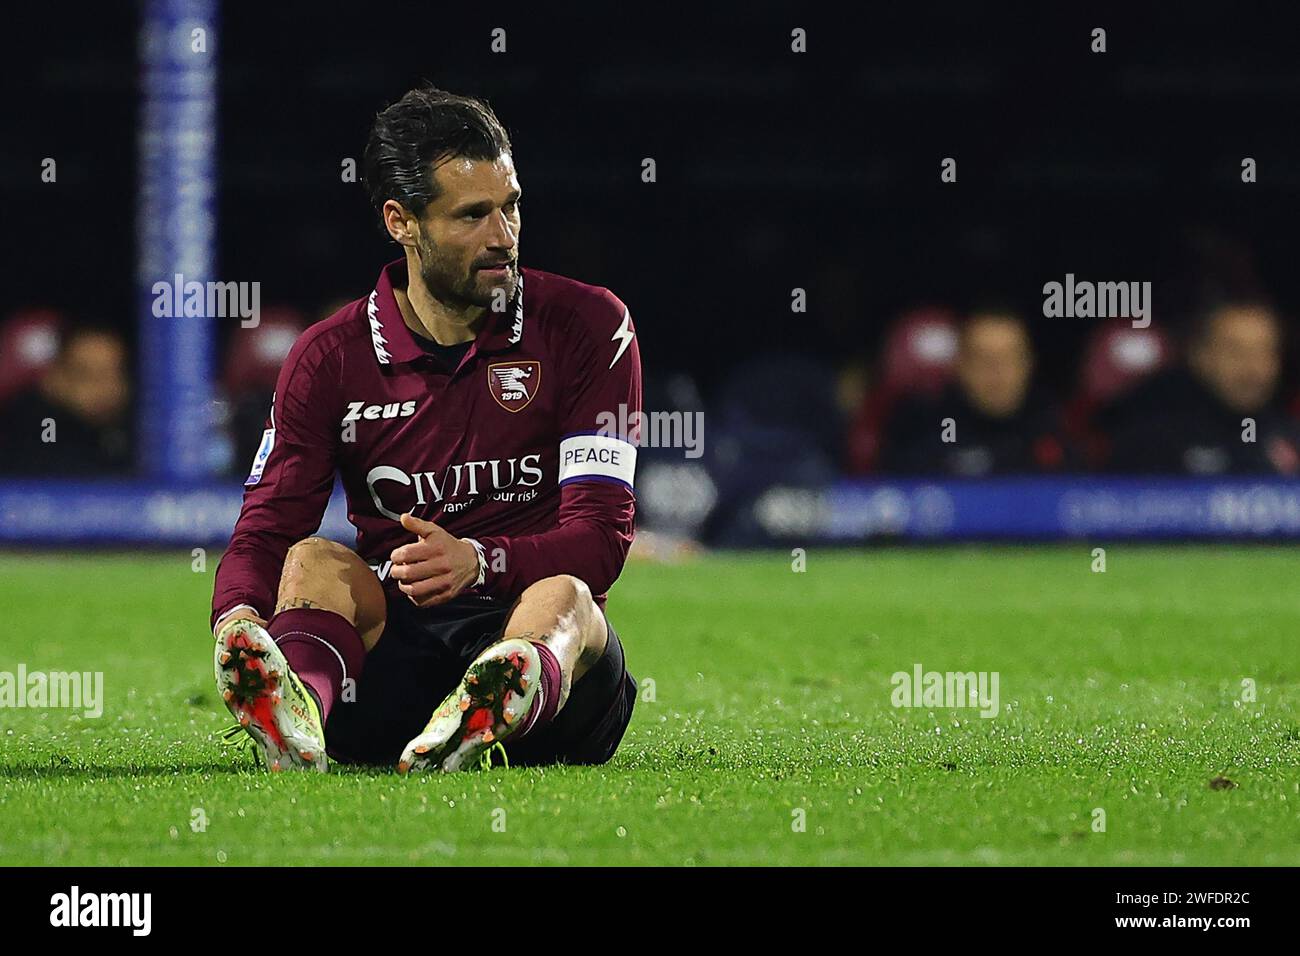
[{"x": 435, "y": 568}]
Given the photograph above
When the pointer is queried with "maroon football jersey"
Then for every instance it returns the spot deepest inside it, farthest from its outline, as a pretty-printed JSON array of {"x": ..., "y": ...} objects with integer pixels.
[{"x": 517, "y": 448}]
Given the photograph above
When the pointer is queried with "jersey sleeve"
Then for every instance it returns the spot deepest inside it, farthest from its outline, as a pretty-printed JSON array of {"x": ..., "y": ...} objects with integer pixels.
[
  {"x": 597, "y": 464},
  {"x": 289, "y": 486}
]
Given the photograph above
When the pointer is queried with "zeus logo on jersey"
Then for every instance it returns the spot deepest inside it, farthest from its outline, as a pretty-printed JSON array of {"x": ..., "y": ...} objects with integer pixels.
[{"x": 359, "y": 410}]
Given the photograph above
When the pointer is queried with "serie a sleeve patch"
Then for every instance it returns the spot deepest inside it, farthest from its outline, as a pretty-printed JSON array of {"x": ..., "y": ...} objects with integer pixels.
[
  {"x": 597, "y": 456},
  {"x": 259, "y": 460}
]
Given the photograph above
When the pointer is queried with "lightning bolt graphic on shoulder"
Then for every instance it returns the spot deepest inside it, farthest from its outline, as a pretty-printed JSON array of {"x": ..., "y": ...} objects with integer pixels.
[
  {"x": 623, "y": 336},
  {"x": 376, "y": 330}
]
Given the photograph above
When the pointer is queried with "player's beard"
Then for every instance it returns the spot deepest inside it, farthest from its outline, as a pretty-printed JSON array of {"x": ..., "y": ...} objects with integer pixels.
[{"x": 442, "y": 276}]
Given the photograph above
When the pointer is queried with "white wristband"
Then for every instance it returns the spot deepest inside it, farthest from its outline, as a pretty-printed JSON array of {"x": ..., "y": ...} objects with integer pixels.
[{"x": 482, "y": 562}]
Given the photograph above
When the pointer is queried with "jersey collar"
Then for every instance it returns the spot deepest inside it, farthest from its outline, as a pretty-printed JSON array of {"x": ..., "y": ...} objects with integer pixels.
[{"x": 392, "y": 340}]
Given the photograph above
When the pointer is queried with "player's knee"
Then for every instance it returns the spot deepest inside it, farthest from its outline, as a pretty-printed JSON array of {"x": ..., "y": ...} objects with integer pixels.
[
  {"x": 570, "y": 598},
  {"x": 314, "y": 554},
  {"x": 331, "y": 576},
  {"x": 563, "y": 591}
]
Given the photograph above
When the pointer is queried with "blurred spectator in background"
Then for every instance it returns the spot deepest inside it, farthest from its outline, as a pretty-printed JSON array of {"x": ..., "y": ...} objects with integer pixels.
[
  {"x": 75, "y": 421},
  {"x": 916, "y": 359},
  {"x": 1116, "y": 358},
  {"x": 1219, "y": 414},
  {"x": 987, "y": 420},
  {"x": 29, "y": 342}
]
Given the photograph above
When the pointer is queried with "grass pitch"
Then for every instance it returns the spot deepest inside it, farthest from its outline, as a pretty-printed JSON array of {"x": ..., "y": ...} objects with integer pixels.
[{"x": 770, "y": 739}]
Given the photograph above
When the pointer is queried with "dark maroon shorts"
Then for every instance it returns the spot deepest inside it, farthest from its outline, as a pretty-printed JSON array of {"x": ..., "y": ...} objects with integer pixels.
[{"x": 420, "y": 659}]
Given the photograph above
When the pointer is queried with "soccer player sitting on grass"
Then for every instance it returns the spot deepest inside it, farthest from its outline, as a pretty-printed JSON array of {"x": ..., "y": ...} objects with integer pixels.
[{"x": 461, "y": 403}]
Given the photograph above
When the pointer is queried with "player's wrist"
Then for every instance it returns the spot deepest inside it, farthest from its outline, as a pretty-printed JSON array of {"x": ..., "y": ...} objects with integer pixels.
[{"x": 479, "y": 568}]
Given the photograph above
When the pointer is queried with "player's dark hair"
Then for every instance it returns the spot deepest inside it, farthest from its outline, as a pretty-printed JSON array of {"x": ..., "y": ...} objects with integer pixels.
[{"x": 425, "y": 127}]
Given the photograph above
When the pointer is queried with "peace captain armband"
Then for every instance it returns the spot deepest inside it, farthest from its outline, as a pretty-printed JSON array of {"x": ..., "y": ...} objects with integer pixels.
[{"x": 593, "y": 457}]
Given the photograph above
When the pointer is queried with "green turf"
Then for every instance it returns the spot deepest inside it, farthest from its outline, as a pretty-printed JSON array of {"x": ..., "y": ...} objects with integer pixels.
[{"x": 1120, "y": 691}]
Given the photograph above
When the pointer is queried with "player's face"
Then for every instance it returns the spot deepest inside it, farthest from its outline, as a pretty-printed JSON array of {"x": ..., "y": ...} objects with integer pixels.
[
  {"x": 1241, "y": 358},
  {"x": 91, "y": 378},
  {"x": 994, "y": 365},
  {"x": 469, "y": 235}
]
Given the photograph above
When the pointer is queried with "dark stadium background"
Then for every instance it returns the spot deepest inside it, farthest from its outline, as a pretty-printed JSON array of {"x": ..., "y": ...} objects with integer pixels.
[
  {"x": 1140, "y": 626},
  {"x": 775, "y": 170}
]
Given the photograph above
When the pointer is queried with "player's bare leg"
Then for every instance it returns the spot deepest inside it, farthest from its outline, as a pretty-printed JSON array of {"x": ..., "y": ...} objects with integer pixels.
[
  {"x": 560, "y": 613},
  {"x": 281, "y": 679},
  {"x": 323, "y": 574},
  {"x": 554, "y": 634}
]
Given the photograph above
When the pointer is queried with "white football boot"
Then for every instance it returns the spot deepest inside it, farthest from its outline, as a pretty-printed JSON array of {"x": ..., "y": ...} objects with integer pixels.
[
  {"x": 492, "y": 702},
  {"x": 267, "y": 698}
]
